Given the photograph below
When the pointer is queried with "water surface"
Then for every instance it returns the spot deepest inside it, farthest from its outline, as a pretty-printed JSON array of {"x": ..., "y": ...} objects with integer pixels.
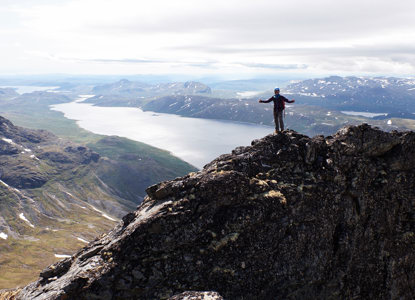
[
  {"x": 22, "y": 89},
  {"x": 197, "y": 141}
]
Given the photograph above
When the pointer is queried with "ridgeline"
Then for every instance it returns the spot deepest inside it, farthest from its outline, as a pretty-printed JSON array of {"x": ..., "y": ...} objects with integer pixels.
[{"x": 289, "y": 217}]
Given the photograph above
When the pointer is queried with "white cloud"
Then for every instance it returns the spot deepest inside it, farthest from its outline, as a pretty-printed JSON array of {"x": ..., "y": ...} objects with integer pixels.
[{"x": 128, "y": 36}]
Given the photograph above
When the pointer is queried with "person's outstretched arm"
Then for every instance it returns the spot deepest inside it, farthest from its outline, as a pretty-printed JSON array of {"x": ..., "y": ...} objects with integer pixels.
[
  {"x": 266, "y": 101},
  {"x": 288, "y": 101}
]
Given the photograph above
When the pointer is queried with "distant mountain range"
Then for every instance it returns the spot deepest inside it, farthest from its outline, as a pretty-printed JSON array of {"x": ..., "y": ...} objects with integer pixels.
[
  {"x": 40, "y": 97},
  {"x": 129, "y": 88},
  {"x": 316, "y": 111},
  {"x": 7, "y": 93},
  {"x": 385, "y": 95}
]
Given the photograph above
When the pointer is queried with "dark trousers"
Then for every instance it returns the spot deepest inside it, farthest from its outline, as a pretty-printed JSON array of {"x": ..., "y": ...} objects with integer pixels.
[{"x": 278, "y": 119}]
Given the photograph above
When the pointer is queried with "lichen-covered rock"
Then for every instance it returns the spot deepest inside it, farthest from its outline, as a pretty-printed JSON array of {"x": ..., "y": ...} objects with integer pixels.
[{"x": 290, "y": 217}]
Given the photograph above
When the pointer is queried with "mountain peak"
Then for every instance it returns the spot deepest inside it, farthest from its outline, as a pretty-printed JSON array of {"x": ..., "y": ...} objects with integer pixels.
[{"x": 287, "y": 217}]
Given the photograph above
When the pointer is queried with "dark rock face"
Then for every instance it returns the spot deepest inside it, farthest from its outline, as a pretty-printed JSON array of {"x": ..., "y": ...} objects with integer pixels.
[
  {"x": 86, "y": 154},
  {"x": 22, "y": 177},
  {"x": 55, "y": 157},
  {"x": 289, "y": 217}
]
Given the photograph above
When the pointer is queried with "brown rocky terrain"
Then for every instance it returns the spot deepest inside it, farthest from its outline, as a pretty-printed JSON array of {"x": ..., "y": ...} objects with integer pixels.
[{"x": 289, "y": 217}]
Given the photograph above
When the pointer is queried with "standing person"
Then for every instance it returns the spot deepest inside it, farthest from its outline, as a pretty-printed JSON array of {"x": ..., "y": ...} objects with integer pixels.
[{"x": 279, "y": 106}]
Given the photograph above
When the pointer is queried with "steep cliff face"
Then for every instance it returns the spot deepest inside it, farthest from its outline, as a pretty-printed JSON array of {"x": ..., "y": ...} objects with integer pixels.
[{"x": 289, "y": 217}]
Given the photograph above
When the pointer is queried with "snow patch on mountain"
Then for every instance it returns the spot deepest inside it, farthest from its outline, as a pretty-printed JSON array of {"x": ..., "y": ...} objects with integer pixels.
[
  {"x": 34, "y": 157},
  {"x": 8, "y": 141},
  {"x": 5, "y": 184},
  {"x": 22, "y": 217},
  {"x": 109, "y": 218},
  {"x": 82, "y": 240},
  {"x": 69, "y": 194},
  {"x": 62, "y": 256},
  {"x": 17, "y": 191},
  {"x": 103, "y": 214}
]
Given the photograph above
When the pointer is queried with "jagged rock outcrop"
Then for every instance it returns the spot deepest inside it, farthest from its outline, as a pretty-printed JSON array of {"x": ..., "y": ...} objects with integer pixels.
[{"x": 290, "y": 217}]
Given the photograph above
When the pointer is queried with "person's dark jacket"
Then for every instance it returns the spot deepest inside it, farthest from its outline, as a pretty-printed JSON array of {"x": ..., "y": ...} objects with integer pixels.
[{"x": 278, "y": 102}]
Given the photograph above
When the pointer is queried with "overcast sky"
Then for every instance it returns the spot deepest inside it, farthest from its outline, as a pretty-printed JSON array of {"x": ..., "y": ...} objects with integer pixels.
[{"x": 246, "y": 38}]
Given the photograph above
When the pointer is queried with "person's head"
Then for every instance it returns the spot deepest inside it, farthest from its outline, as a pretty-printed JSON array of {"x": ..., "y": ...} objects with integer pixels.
[{"x": 277, "y": 90}]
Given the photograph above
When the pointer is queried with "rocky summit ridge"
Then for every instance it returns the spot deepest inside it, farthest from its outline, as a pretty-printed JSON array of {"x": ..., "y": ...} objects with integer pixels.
[{"x": 289, "y": 217}]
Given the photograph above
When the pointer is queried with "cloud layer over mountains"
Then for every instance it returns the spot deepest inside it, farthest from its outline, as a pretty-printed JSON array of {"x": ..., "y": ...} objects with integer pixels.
[{"x": 200, "y": 37}]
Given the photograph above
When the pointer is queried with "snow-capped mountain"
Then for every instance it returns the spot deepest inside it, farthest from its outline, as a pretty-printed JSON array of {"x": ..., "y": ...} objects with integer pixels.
[{"x": 357, "y": 93}]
